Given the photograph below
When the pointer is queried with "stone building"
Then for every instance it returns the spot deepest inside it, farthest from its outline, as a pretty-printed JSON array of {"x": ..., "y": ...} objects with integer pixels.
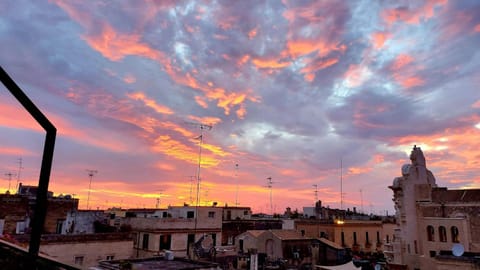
[
  {"x": 16, "y": 211},
  {"x": 433, "y": 223},
  {"x": 83, "y": 250},
  {"x": 176, "y": 232},
  {"x": 357, "y": 235}
]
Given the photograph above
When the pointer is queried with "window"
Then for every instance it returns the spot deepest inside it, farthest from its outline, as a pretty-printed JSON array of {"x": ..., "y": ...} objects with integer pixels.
[
  {"x": 190, "y": 214},
  {"x": 245, "y": 213},
  {"x": 59, "y": 227},
  {"x": 442, "y": 234},
  {"x": 164, "y": 214},
  {"x": 430, "y": 233},
  {"x": 433, "y": 253},
  {"x": 354, "y": 238},
  {"x": 145, "y": 241},
  {"x": 229, "y": 214},
  {"x": 79, "y": 260},
  {"x": 343, "y": 239},
  {"x": 211, "y": 214},
  {"x": 378, "y": 237},
  {"x": 110, "y": 257},
  {"x": 415, "y": 246},
  {"x": 367, "y": 241},
  {"x": 165, "y": 241},
  {"x": 454, "y": 230}
]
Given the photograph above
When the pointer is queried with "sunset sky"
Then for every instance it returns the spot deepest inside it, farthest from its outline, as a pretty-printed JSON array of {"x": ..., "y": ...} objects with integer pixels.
[{"x": 292, "y": 90}]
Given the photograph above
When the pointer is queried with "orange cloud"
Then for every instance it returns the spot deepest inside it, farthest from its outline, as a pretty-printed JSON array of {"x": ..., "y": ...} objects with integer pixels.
[
  {"x": 359, "y": 170},
  {"x": 206, "y": 120},
  {"x": 150, "y": 103},
  {"x": 115, "y": 46},
  {"x": 270, "y": 63},
  {"x": 296, "y": 48},
  {"x": 379, "y": 39}
]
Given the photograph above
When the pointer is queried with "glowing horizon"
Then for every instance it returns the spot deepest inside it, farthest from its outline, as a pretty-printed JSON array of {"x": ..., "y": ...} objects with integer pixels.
[{"x": 290, "y": 89}]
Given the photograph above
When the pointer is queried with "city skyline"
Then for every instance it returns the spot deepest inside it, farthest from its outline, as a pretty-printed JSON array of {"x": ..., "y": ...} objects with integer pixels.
[{"x": 302, "y": 97}]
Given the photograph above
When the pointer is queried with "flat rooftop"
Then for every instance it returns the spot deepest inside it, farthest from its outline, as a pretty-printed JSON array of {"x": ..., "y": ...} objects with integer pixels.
[{"x": 157, "y": 263}]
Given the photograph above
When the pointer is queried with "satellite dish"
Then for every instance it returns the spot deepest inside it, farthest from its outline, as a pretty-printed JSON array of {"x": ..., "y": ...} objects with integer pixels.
[{"x": 457, "y": 250}]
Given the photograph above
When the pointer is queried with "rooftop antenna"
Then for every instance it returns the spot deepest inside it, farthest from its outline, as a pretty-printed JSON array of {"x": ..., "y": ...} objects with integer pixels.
[
  {"x": 9, "y": 175},
  {"x": 20, "y": 162},
  {"x": 361, "y": 200},
  {"x": 91, "y": 173},
  {"x": 157, "y": 205},
  {"x": 316, "y": 194},
  {"x": 236, "y": 178},
  {"x": 202, "y": 127},
  {"x": 192, "y": 178},
  {"x": 341, "y": 184},
  {"x": 270, "y": 186}
]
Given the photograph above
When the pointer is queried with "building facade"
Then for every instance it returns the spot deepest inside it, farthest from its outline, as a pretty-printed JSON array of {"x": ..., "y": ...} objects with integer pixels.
[{"x": 432, "y": 222}]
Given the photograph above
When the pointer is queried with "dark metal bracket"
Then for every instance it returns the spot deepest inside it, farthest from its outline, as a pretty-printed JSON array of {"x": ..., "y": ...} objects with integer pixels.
[{"x": 47, "y": 158}]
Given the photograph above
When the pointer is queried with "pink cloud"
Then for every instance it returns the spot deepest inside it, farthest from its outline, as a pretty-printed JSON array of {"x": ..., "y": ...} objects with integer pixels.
[
  {"x": 477, "y": 28},
  {"x": 400, "y": 61},
  {"x": 379, "y": 39},
  {"x": 413, "y": 15},
  {"x": 129, "y": 79}
]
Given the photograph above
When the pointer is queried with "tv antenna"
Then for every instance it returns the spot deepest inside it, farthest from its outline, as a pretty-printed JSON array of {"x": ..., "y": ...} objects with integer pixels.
[
  {"x": 315, "y": 192},
  {"x": 202, "y": 127},
  {"x": 20, "y": 162},
  {"x": 341, "y": 184},
  {"x": 270, "y": 186},
  {"x": 361, "y": 200},
  {"x": 157, "y": 205},
  {"x": 192, "y": 179},
  {"x": 91, "y": 173},
  {"x": 236, "y": 178},
  {"x": 9, "y": 175}
]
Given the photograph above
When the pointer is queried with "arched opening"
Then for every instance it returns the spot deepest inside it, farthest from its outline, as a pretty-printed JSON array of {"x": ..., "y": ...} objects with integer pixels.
[
  {"x": 442, "y": 234},
  {"x": 430, "y": 233},
  {"x": 454, "y": 231}
]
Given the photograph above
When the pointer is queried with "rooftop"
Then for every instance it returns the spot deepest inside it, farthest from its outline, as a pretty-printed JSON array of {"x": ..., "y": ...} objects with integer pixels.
[{"x": 156, "y": 263}]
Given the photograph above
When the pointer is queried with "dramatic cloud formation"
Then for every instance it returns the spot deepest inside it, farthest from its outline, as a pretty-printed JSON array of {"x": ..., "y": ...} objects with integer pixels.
[{"x": 304, "y": 92}]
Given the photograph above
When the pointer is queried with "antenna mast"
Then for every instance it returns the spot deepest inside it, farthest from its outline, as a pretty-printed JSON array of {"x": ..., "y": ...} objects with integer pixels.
[
  {"x": 361, "y": 200},
  {"x": 341, "y": 184},
  {"x": 236, "y": 178},
  {"x": 20, "y": 161},
  {"x": 270, "y": 186},
  {"x": 315, "y": 192},
  {"x": 202, "y": 127},
  {"x": 9, "y": 175},
  {"x": 91, "y": 173},
  {"x": 157, "y": 205}
]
